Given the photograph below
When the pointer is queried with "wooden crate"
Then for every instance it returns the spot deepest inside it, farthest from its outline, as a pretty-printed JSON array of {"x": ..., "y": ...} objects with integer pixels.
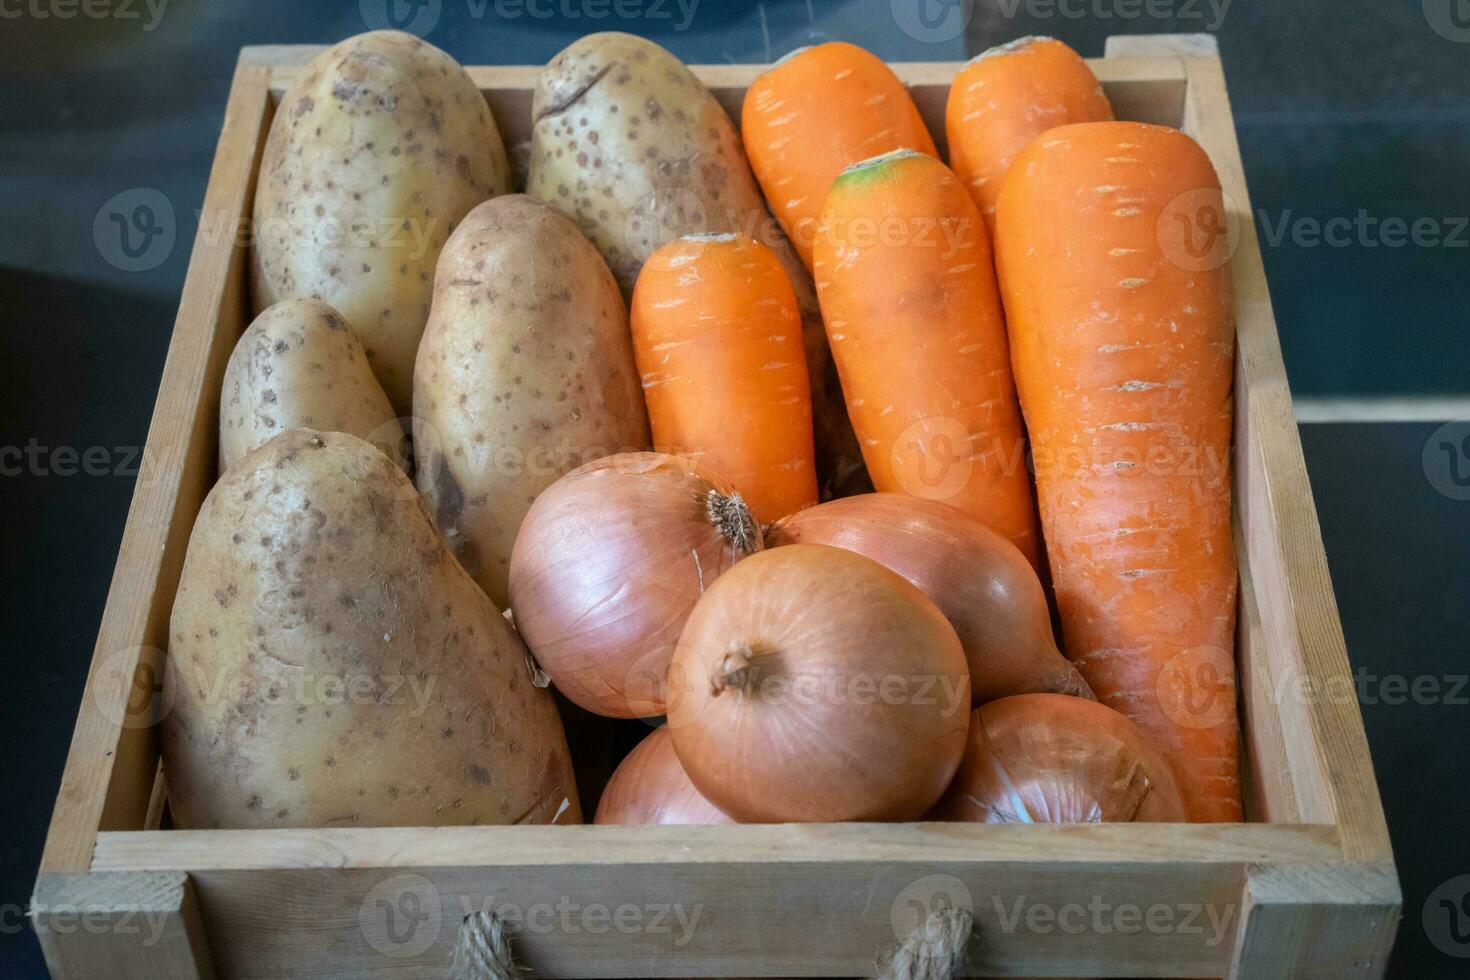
[{"x": 1306, "y": 889}]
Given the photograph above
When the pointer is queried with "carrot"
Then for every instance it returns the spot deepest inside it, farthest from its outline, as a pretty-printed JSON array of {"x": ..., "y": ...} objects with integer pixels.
[
  {"x": 1006, "y": 97},
  {"x": 908, "y": 293},
  {"x": 717, "y": 337},
  {"x": 1123, "y": 345},
  {"x": 816, "y": 111}
]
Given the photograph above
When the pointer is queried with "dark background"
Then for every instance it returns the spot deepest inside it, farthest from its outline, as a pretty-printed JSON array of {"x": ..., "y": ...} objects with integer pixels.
[{"x": 1343, "y": 106}]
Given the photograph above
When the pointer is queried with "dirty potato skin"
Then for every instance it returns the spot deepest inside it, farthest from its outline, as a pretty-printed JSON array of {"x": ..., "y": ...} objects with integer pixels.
[
  {"x": 331, "y": 665},
  {"x": 525, "y": 372},
  {"x": 631, "y": 144},
  {"x": 373, "y": 157},
  {"x": 299, "y": 365}
]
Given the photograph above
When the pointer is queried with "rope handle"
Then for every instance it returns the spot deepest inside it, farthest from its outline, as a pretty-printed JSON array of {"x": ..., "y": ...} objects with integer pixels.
[
  {"x": 482, "y": 951},
  {"x": 936, "y": 950}
]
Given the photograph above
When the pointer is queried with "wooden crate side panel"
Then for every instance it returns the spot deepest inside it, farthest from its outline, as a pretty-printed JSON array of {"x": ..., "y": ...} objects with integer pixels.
[
  {"x": 131, "y": 924},
  {"x": 1322, "y": 725},
  {"x": 323, "y": 900},
  {"x": 822, "y": 918},
  {"x": 108, "y": 778}
]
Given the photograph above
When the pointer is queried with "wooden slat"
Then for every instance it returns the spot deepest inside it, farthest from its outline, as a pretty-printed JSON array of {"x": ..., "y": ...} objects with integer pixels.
[
  {"x": 286, "y": 61},
  {"x": 1159, "y": 45},
  {"x": 133, "y": 924},
  {"x": 1145, "y": 89},
  {"x": 1270, "y": 782},
  {"x": 1382, "y": 410},
  {"x": 109, "y": 770},
  {"x": 1299, "y": 618},
  {"x": 157, "y": 800},
  {"x": 602, "y": 846}
]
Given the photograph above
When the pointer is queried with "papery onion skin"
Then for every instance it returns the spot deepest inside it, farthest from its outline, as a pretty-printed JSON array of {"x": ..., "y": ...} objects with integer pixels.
[
  {"x": 977, "y": 578},
  {"x": 812, "y": 684},
  {"x": 607, "y": 566},
  {"x": 651, "y": 787},
  {"x": 1050, "y": 758}
]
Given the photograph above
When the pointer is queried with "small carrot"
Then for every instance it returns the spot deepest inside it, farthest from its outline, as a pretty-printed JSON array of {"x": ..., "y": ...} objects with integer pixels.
[
  {"x": 908, "y": 293},
  {"x": 717, "y": 337},
  {"x": 1122, "y": 337},
  {"x": 1006, "y": 97},
  {"x": 816, "y": 111}
]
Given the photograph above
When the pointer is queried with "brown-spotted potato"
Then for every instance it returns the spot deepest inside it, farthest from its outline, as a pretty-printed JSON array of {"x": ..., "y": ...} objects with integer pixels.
[
  {"x": 525, "y": 372},
  {"x": 331, "y": 665},
  {"x": 373, "y": 157},
  {"x": 629, "y": 143},
  {"x": 299, "y": 365}
]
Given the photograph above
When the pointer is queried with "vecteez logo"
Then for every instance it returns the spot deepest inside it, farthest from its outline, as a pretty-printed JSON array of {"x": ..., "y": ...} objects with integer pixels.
[
  {"x": 1446, "y": 459},
  {"x": 1209, "y": 14},
  {"x": 1196, "y": 688},
  {"x": 150, "y": 12},
  {"x": 1198, "y": 230},
  {"x": 679, "y": 12},
  {"x": 932, "y": 21},
  {"x": 417, "y": 17},
  {"x": 401, "y": 916},
  {"x": 1446, "y": 917},
  {"x": 934, "y": 458},
  {"x": 1449, "y": 18},
  {"x": 135, "y": 230},
  {"x": 133, "y": 689},
  {"x": 420, "y": 17},
  {"x": 925, "y": 896}
]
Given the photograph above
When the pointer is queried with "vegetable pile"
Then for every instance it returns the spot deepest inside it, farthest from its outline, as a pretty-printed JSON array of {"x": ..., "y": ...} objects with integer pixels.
[{"x": 885, "y": 488}]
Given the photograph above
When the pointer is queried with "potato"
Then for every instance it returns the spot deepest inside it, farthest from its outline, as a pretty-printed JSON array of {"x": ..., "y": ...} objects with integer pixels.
[
  {"x": 330, "y": 664},
  {"x": 631, "y": 144},
  {"x": 526, "y": 372},
  {"x": 299, "y": 365},
  {"x": 374, "y": 156}
]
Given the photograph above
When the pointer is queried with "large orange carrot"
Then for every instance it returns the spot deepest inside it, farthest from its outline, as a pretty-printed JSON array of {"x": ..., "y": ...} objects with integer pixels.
[
  {"x": 1005, "y": 98},
  {"x": 1122, "y": 337},
  {"x": 907, "y": 287},
  {"x": 815, "y": 112},
  {"x": 717, "y": 336}
]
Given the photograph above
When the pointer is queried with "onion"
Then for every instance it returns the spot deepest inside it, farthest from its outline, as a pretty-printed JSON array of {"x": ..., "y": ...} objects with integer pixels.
[
  {"x": 607, "y": 565},
  {"x": 651, "y": 787},
  {"x": 1048, "y": 758},
  {"x": 981, "y": 581},
  {"x": 812, "y": 684}
]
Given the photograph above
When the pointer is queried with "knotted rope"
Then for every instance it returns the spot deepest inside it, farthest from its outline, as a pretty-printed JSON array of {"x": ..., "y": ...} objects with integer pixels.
[
  {"x": 934, "y": 951},
  {"x": 482, "y": 951}
]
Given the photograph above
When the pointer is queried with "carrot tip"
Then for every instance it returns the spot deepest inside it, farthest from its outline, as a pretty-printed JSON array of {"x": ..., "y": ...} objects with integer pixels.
[
  {"x": 880, "y": 160},
  {"x": 791, "y": 54},
  {"x": 1010, "y": 47}
]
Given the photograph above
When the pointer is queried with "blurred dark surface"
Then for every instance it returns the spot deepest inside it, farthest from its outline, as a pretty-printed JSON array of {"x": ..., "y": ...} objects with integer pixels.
[
  {"x": 1342, "y": 107},
  {"x": 1401, "y": 568}
]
